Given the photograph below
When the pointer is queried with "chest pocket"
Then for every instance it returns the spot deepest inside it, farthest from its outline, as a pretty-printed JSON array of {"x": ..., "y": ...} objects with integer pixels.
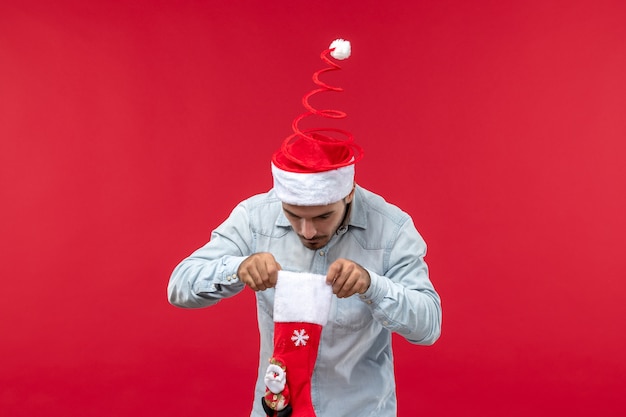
[{"x": 350, "y": 313}]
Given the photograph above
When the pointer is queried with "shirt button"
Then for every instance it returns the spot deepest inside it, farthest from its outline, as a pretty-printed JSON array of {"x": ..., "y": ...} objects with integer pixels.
[
  {"x": 385, "y": 323},
  {"x": 321, "y": 253},
  {"x": 369, "y": 301}
]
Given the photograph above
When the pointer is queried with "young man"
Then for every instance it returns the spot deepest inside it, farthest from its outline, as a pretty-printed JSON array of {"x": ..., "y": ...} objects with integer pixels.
[{"x": 317, "y": 220}]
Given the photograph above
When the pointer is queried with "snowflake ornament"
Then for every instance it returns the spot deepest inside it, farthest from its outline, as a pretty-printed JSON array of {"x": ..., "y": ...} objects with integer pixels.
[{"x": 299, "y": 338}]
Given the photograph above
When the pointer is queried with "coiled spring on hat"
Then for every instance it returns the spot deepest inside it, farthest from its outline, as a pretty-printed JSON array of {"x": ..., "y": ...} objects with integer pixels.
[{"x": 327, "y": 113}]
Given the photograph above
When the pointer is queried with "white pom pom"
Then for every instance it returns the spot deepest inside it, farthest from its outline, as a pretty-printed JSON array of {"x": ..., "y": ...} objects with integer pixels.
[{"x": 341, "y": 49}]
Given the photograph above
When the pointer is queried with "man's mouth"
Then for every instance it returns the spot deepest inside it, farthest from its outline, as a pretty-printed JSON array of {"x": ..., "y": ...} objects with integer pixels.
[{"x": 313, "y": 241}]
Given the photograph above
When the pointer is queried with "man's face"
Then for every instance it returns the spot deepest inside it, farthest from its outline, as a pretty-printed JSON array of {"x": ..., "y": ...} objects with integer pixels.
[{"x": 315, "y": 225}]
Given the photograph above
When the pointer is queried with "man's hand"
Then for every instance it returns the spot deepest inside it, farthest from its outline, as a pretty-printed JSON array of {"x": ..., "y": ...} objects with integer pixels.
[
  {"x": 347, "y": 278},
  {"x": 259, "y": 271}
]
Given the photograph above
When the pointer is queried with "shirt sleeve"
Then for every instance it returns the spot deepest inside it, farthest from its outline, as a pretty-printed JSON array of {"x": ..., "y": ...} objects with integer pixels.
[
  {"x": 404, "y": 299},
  {"x": 209, "y": 274}
]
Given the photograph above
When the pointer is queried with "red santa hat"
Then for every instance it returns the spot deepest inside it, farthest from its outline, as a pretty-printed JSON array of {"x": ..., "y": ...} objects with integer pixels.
[{"x": 315, "y": 166}]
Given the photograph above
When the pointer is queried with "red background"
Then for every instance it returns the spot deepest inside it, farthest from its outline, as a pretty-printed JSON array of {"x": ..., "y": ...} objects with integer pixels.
[{"x": 130, "y": 129}]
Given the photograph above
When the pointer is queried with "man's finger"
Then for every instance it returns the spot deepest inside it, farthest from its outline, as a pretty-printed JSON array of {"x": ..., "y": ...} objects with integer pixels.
[
  {"x": 271, "y": 270},
  {"x": 349, "y": 286},
  {"x": 334, "y": 271}
]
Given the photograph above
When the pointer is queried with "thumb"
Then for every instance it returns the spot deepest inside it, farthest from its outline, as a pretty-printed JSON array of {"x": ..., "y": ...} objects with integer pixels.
[{"x": 332, "y": 273}]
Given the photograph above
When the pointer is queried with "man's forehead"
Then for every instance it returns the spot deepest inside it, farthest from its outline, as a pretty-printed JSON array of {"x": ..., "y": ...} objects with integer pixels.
[{"x": 311, "y": 211}]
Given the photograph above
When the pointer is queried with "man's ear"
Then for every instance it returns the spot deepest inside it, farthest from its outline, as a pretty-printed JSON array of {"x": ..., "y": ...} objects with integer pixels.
[{"x": 350, "y": 196}]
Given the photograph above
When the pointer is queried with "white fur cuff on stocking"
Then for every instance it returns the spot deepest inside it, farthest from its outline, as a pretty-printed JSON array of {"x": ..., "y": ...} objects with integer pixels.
[{"x": 302, "y": 297}]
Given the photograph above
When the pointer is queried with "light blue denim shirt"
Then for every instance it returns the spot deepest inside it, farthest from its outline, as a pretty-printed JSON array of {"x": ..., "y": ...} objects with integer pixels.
[{"x": 354, "y": 373}]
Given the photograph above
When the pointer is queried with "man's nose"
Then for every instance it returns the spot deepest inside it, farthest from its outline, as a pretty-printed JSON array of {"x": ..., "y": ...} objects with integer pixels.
[{"x": 308, "y": 229}]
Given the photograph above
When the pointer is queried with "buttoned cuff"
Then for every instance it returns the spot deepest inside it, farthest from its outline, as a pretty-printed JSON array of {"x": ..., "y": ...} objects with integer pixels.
[
  {"x": 226, "y": 274},
  {"x": 228, "y": 271}
]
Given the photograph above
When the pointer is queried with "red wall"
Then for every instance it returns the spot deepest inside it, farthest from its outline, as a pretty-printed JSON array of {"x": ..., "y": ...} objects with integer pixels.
[{"x": 128, "y": 130}]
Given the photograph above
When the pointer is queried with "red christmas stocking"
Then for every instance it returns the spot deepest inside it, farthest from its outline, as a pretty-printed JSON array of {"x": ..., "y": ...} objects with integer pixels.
[{"x": 301, "y": 307}]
